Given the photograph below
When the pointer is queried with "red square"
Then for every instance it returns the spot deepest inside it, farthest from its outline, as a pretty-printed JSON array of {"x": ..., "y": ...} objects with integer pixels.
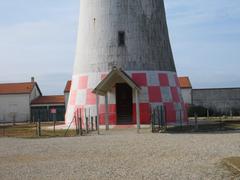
[
  {"x": 101, "y": 108},
  {"x": 112, "y": 108},
  {"x": 145, "y": 113},
  {"x": 140, "y": 78},
  {"x": 112, "y": 114},
  {"x": 83, "y": 82},
  {"x": 154, "y": 93},
  {"x": 91, "y": 98},
  {"x": 170, "y": 113},
  {"x": 163, "y": 78},
  {"x": 175, "y": 94},
  {"x": 73, "y": 98}
]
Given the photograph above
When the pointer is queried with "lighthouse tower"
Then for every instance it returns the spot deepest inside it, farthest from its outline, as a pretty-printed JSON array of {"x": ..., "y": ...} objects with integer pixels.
[{"x": 124, "y": 65}]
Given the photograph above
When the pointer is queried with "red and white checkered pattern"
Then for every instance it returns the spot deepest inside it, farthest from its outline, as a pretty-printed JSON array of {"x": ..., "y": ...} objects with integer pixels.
[{"x": 157, "y": 88}]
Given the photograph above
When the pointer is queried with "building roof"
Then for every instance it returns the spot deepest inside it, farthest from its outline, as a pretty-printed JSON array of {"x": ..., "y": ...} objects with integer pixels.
[
  {"x": 68, "y": 86},
  {"x": 58, "y": 99},
  {"x": 18, "y": 88},
  {"x": 185, "y": 82},
  {"x": 115, "y": 76}
]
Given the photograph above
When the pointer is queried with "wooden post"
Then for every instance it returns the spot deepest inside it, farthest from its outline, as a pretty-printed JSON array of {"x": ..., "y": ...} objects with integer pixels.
[
  {"x": 39, "y": 123},
  {"x": 89, "y": 119},
  {"x": 159, "y": 119},
  {"x": 97, "y": 108},
  {"x": 231, "y": 114},
  {"x": 196, "y": 122},
  {"x": 75, "y": 120},
  {"x": 80, "y": 122},
  {"x": 92, "y": 123},
  {"x": 207, "y": 114},
  {"x": 106, "y": 112},
  {"x": 86, "y": 120},
  {"x": 54, "y": 123},
  {"x": 137, "y": 111}
]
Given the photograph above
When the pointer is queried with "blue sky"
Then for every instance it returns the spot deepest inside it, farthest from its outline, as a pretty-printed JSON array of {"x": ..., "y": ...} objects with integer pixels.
[{"x": 38, "y": 38}]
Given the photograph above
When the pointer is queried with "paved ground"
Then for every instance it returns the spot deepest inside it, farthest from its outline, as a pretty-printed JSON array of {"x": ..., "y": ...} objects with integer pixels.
[{"x": 120, "y": 154}]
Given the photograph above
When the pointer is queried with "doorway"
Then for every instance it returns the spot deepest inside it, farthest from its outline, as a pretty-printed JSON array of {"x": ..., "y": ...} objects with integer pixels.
[{"x": 124, "y": 99}]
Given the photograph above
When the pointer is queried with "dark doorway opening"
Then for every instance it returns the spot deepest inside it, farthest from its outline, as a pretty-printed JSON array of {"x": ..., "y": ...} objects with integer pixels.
[{"x": 124, "y": 100}]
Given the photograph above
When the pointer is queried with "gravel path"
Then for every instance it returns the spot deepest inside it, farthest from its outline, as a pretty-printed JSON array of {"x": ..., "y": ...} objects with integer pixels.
[{"x": 120, "y": 154}]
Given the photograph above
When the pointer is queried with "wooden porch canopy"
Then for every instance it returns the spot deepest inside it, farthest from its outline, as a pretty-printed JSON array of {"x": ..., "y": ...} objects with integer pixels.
[{"x": 114, "y": 77}]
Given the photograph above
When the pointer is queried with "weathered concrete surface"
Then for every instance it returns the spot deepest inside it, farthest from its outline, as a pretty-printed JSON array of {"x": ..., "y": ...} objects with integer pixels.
[
  {"x": 147, "y": 45},
  {"x": 222, "y": 100}
]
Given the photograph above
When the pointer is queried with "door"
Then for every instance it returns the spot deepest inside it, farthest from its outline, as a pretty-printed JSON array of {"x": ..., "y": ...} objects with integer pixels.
[{"x": 124, "y": 103}]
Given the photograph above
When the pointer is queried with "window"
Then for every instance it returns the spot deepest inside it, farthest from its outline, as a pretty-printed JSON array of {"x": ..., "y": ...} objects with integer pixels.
[{"x": 121, "y": 38}]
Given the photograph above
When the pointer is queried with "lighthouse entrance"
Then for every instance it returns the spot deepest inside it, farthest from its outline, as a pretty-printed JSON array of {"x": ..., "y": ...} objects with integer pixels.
[
  {"x": 124, "y": 100},
  {"x": 126, "y": 88}
]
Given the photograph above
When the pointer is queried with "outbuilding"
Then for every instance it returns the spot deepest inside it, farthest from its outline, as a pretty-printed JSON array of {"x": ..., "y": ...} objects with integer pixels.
[
  {"x": 48, "y": 108},
  {"x": 15, "y": 100}
]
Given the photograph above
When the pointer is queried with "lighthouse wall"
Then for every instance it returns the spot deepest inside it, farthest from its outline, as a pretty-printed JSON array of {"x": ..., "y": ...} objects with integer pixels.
[
  {"x": 147, "y": 45},
  {"x": 145, "y": 55},
  {"x": 158, "y": 88}
]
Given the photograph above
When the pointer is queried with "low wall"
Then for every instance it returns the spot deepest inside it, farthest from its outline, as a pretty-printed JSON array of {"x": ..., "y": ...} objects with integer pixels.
[{"x": 221, "y": 100}]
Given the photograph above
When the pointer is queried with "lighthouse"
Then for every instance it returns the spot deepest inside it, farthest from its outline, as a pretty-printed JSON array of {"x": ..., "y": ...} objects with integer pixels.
[{"x": 124, "y": 65}]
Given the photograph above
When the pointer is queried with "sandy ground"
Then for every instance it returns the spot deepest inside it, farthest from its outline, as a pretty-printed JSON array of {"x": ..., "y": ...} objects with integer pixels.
[{"x": 120, "y": 154}]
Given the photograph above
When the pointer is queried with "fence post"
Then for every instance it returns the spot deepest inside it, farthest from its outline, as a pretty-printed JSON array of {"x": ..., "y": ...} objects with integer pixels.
[
  {"x": 231, "y": 114},
  {"x": 39, "y": 123},
  {"x": 86, "y": 124},
  {"x": 96, "y": 124},
  {"x": 80, "y": 122},
  {"x": 153, "y": 120},
  {"x": 196, "y": 122},
  {"x": 92, "y": 123},
  {"x": 76, "y": 122},
  {"x": 181, "y": 119},
  {"x": 165, "y": 116},
  {"x": 54, "y": 123}
]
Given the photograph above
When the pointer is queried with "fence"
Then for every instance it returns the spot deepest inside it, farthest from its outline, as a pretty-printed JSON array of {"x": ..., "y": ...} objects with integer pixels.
[
  {"x": 85, "y": 121},
  {"x": 159, "y": 119}
]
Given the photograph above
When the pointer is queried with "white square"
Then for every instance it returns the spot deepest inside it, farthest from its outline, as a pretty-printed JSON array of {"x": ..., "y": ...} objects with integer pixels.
[
  {"x": 152, "y": 78},
  {"x": 81, "y": 97},
  {"x": 166, "y": 94},
  {"x": 171, "y": 79},
  {"x": 75, "y": 81},
  {"x": 143, "y": 95},
  {"x": 93, "y": 80}
]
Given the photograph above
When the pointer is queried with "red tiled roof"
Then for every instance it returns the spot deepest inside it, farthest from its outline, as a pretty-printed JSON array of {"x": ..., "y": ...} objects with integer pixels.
[
  {"x": 185, "y": 82},
  {"x": 17, "y": 88},
  {"x": 49, "y": 100},
  {"x": 68, "y": 86}
]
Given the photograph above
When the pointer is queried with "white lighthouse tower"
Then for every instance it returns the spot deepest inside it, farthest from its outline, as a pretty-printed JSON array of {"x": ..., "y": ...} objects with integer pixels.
[{"x": 124, "y": 65}]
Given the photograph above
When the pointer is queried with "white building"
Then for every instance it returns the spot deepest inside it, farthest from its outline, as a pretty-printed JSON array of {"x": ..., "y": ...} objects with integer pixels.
[
  {"x": 186, "y": 89},
  {"x": 15, "y": 101}
]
